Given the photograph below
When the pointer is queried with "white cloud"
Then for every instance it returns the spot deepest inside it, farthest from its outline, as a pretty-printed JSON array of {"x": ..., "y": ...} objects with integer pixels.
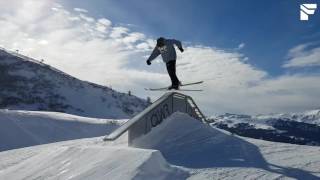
[
  {"x": 241, "y": 46},
  {"x": 282, "y": 94},
  {"x": 133, "y": 37},
  {"x": 119, "y": 32},
  {"x": 144, "y": 46},
  {"x": 95, "y": 50},
  {"x": 103, "y": 25},
  {"x": 86, "y": 18},
  {"x": 80, "y": 10},
  {"x": 43, "y": 42},
  {"x": 104, "y": 21},
  {"x": 303, "y": 56}
]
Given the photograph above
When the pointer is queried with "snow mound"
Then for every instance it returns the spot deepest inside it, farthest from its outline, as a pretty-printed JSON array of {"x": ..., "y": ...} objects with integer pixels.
[
  {"x": 210, "y": 153},
  {"x": 27, "y": 128},
  {"x": 185, "y": 141},
  {"x": 83, "y": 162}
]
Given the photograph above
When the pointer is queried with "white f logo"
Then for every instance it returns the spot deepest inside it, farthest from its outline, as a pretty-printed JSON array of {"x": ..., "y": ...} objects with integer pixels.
[{"x": 306, "y": 10}]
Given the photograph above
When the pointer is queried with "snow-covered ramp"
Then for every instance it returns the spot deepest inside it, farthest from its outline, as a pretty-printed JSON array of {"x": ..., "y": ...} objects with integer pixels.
[
  {"x": 28, "y": 128},
  {"x": 84, "y": 162},
  {"x": 211, "y": 153}
]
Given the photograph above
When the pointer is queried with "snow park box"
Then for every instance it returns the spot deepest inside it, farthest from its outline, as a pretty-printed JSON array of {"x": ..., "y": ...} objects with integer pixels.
[{"x": 154, "y": 115}]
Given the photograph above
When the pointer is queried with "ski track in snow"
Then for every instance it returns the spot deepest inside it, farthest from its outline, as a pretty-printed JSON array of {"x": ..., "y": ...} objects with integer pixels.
[{"x": 189, "y": 150}]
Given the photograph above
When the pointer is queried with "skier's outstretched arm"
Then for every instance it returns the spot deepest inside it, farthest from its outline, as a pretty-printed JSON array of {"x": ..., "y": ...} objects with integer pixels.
[
  {"x": 155, "y": 53},
  {"x": 178, "y": 44}
]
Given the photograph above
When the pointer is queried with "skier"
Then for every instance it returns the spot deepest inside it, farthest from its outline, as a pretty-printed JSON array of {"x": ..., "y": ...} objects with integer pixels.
[{"x": 165, "y": 47}]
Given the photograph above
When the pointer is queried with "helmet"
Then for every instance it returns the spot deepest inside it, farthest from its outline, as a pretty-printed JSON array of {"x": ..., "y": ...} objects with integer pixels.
[{"x": 160, "y": 41}]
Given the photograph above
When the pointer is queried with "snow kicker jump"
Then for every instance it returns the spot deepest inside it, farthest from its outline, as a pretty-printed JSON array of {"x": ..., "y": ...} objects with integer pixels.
[{"x": 153, "y": 115}]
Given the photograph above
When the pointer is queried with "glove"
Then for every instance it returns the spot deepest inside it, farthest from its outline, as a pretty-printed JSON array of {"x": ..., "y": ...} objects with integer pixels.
[
  {"x": 181, "y": 49},
  {"x": 148, "y": 62}
]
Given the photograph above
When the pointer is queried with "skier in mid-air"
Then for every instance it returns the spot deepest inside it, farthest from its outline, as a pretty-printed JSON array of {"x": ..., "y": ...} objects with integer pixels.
[{"x": 165, "y": 47}]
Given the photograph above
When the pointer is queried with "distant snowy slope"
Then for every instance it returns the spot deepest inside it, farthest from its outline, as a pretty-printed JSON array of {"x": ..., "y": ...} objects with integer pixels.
[
  {"x": 31, "y": 85},
  {"x": 267, "y": 120},
  {"x": 27, "y": 128},
  {"x": 310, "y": 116},
  {"x": 296, "y": 128},
  {"x": 178, "y": 148}
]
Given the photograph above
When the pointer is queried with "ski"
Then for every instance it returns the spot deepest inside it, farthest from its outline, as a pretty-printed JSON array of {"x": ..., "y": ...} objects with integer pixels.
[
  {"x": 173, "y": 89},
  {"x": 156, "y": 89},
  {"x": 192, "y": 83},
  {"x": 189, "y": 90},
  {"x": 186, "y": 84}
]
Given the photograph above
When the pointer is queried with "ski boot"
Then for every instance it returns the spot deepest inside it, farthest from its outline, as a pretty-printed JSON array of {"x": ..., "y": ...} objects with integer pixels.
[{"x": 175, "y": 87}]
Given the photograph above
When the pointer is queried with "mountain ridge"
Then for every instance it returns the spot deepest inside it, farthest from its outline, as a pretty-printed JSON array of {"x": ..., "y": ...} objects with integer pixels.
[
  {"x": 296, "y": 128},
  {"x": 28, "y": 84}
]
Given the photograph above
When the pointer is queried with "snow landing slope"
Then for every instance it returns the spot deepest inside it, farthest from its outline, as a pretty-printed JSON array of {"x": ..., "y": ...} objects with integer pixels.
[
  {"x": 179, "y": 148},
  {"x": 28, "y": 128},
  {"x": 27, "y": 84}
]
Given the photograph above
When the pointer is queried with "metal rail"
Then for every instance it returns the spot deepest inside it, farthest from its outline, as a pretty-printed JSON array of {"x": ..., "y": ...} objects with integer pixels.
[{"x": 153, "y": 115}]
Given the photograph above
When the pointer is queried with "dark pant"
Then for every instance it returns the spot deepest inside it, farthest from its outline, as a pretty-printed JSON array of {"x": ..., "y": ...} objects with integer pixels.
[{"x": 171, "y": 67}]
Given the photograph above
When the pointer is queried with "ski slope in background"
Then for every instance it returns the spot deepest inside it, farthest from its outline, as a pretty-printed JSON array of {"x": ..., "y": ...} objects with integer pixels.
[
  {"x": 29, "y": 84},
  {"x": 296, "y": 128},
  {"x": 179, "y": 148}
]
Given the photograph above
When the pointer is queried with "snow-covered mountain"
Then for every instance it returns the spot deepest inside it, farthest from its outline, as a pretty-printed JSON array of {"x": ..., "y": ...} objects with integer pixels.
[
  {"x": 296, "y": 128},
  {"x": 29, "y": 84},
  {"x": 179, "y": 148}
]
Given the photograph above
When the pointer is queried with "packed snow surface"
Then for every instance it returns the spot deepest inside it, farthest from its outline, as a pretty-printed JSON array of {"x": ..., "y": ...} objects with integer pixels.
[
  {"x": 179, "y": 148},
  {"x": 86, "y": 160},
  {"x": 27, "y": 128}
]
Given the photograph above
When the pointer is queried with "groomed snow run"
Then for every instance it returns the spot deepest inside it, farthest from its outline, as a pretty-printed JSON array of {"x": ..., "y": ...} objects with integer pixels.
[
  {"x": 28, "y": 128},
  {"x": 179, "y": 148}
]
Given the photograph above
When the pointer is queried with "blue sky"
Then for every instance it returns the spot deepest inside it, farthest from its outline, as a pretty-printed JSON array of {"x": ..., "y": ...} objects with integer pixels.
[
  {"x": 253, "y": 57},
  {"x": 268, "y": 28}
]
